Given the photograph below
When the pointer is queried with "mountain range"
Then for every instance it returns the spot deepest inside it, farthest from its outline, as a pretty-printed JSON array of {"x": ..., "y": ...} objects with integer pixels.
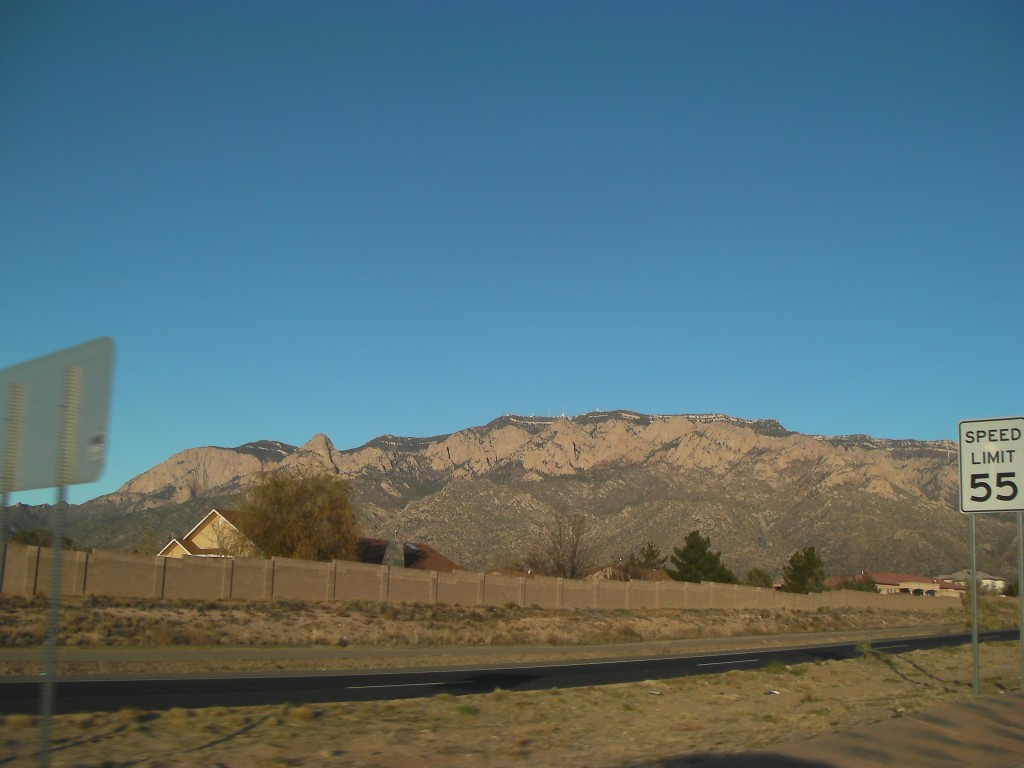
[{"x": 480, "y": 495}]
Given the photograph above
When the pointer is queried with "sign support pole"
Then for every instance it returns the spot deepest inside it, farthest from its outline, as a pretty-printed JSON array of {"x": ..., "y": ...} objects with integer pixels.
[
  {"x": 992, "y": 480},
  {"x": 53, "y": 402},
  {"x": 12, "y": 451},
  {"x": 976, "y": 677},
  {"x": 66, "y": 471},
  {"x": 1020, "y": 597}
]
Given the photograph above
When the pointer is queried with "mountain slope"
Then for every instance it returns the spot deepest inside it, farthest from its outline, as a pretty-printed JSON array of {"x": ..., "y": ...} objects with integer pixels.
[{"x": 761, "y": 492}]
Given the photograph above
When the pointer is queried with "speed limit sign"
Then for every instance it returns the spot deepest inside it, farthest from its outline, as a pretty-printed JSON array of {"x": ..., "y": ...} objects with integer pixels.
[{"x": 992, "y": 465}]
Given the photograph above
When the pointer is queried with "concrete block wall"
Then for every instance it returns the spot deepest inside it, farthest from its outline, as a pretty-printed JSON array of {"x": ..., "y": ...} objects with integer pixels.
[
  {"x": 251, "y": 579},
  {"x": 26, "y": 571},
  {"x": 468, "y": 588},
  {"x": 124, "y": 574},
  {"x": 301, "y": 579},
  {"x": 644, "y": 594},
  {"x": 359, "y": 581},
  {"x": 544, "y": 592},
  {"x": 184, "y": 580},
  {"x": 19, "y": 570},
  {"x": 501, "y": 590},
  {"x": 611, "y": 594},
  {"x": 579, "y": 594},
  {"x": 409, "y": 586},
  {"x": 672, "y": 595}
]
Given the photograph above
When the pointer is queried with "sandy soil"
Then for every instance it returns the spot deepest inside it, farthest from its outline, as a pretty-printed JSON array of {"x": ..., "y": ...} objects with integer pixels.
[{"x": 652, "y": 723}]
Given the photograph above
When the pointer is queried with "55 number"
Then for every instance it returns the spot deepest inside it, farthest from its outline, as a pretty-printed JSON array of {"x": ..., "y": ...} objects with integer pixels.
[{"x": 1004, "y": 482}]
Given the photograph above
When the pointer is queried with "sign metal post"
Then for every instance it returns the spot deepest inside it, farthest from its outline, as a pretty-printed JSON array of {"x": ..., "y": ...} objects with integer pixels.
[
  {"x": 991, "y": 475},
  {"x": 54, "y": 434},
  {"x": 1020, "y": 597}
]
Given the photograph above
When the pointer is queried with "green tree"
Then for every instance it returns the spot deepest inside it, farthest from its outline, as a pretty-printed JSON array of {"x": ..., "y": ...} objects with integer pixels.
[
  {"x": 696, "y": 562},
  {"x": 39, "y": 537},
  {"x": 638, "y": 566},
  {"x": 1012, "y": 589},
  {"x": 650, "y": 557},
  {"x": 305, "y": 515},
  {"x": 758, "y": 578},
  {"x": 804, "y": 573}
]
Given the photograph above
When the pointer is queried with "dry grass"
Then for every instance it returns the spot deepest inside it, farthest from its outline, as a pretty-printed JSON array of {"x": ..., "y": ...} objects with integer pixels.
[{"x": 93, "y": 622}]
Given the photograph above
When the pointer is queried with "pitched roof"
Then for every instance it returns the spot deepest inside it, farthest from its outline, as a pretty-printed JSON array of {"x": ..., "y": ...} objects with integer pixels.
[
  {"x": 889, "y": 577},
  {"x": 966, "y": 575},
  {"x": 189, "y": 546},
  {"x": 171, "y": 544},
  {"x": 229, "y": 515},
  {"x": 892, "y": 579},
  {"x": 419, "y": 556}
]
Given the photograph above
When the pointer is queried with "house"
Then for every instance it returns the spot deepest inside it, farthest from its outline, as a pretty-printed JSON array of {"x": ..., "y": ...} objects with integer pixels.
[
  {"x": 211, "y": 537},
  {"x": 890, "y": 583},
  {"x": 986, "y": 582},
  {"x": 217, "y": 535}
]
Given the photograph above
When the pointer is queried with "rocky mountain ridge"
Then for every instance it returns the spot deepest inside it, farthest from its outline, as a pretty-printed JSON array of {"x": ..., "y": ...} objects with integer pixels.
[{"x": 480, "y": 494}]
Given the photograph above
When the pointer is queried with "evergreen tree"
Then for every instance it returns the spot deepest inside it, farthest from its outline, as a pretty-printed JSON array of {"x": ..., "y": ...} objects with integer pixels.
[
  {"x": 638, "y": 565},
  {"x": 38, "y": 537},
  {"x": 650, "y": 557},
  {"x": 758, "y": 578},
  {"x": 804, "y": 573},
  {"x": 696, "y": 562}
]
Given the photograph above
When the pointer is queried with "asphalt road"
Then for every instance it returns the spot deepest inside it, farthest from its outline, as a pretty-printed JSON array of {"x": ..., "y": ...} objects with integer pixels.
[{"x": 99, "y": 693}]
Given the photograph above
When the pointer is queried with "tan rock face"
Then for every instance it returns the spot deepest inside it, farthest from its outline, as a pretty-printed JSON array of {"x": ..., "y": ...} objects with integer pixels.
[
  {"x": 192, "y": 473},
  {"x": 759, "y": 491}
]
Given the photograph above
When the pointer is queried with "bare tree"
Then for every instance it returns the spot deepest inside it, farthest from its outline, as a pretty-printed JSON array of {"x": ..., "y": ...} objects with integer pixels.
[
  {"x": 564, "y": 546},
  {"x": 232, "y": 542}
]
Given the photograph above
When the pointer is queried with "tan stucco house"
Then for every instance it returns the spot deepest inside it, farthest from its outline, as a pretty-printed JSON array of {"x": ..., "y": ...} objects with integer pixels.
[
  {"x": 890, "y": 583},
  {"x": 987, "y": 582},
  {"x": 217, "y": 532},
  {"x": 209, "y": 537}
]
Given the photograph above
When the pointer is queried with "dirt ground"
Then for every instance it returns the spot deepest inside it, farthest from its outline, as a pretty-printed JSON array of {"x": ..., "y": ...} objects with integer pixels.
[{"x": 655, "y": 723}]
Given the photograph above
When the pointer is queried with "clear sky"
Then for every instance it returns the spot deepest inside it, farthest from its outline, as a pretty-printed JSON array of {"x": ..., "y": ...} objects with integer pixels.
[{"x": 414, "y": 217}]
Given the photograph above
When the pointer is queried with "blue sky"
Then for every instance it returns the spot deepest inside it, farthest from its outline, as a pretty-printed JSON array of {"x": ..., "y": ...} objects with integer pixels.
[{"x": 412, "y": 218}]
